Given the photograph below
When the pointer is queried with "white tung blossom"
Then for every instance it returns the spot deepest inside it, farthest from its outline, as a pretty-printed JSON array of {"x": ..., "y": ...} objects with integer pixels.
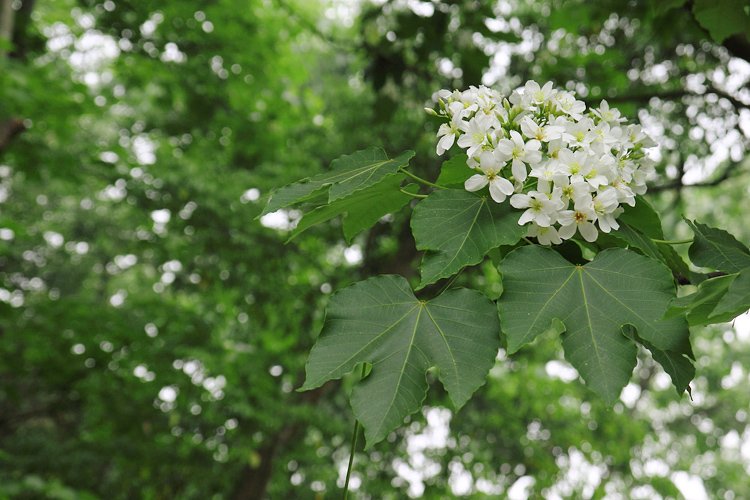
[{"x": 568, "y": 169}]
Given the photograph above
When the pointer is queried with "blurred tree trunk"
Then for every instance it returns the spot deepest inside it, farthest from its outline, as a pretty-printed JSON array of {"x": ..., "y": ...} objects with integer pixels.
[{"x": 6, "y": 24}]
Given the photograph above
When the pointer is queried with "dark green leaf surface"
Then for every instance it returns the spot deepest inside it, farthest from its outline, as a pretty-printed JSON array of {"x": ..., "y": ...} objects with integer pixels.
[
  {"x": 454, "y": 172},
  {"x": 635, "y": 238},
  {"x": 458, "y": 228},
  {"x": 362, "y": 209},
  {"x": 677, "y": 364},
  {"x": 699, "y": 307},
  {"x": 594, "y": 302},
  {"x": 379, "y": 321},
  {"x": 717, "y": 249},
  {"x": 363, "y": 169},
  {"x": 737, "y": 299},
  {"x": 348, "y": 174},
  {"x": 643, "y": 217}
]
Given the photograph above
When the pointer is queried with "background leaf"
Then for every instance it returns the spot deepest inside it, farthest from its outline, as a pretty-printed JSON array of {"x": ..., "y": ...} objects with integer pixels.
[
  {"x": 348, "y": 174},
  {"x": 698, "y": 307},
  {"x": 717, "y": 249},
  {"x": 362, "y": 209},
  {"x": 722, "y": 18},
  {"x": 379, "y": 321},
  {"x": 737, "y": 299}
]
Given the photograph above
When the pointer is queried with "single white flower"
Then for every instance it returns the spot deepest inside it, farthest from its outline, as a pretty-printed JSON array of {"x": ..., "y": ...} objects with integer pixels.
[
  {"x": 607, "y": 114},
  {"x": 607, "y": 208},
  {"x": 490, "y": 165},
  {"x": 521, "y": 152},
  {"x": 447, "y": 133},
  {"x": 544, "y": 235},
  {"x": 580, "y": 219},
  {"x": 542, "y": 133},
  {"x": 537, "y": 95},
  {"x": 568, "y": 104},
  {"x": 541, "y": 208},
  {"x": 579, "y": 133},
  {"x": 475, "y": 133}
]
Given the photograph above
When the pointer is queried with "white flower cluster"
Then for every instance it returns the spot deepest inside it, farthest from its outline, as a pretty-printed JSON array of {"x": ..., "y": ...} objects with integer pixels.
[{"x": 570, "y": 169}]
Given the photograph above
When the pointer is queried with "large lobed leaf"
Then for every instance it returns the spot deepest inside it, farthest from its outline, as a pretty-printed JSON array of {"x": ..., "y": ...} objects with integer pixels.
[
  {"x": 348, "y": 174},
  {"x": 458, "y": 228},
  {"x": 379, "y": 321},
  {"x": 618, "y": 290}
]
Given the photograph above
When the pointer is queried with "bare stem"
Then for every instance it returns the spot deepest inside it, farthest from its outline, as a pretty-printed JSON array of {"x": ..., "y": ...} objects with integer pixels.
[
  {"x": 355, "y": 434},
  {"x": 420, "y": 180},
  {"x": 672, "y": 242}
]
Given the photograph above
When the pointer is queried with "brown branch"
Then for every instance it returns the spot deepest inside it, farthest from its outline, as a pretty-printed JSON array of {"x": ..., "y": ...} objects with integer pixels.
[
  {"x": 6, "y": 23},
  {"x": 670, "y": 95},
  {"x": 730, "y": 171},
  {"x": 8, "y": 130}
]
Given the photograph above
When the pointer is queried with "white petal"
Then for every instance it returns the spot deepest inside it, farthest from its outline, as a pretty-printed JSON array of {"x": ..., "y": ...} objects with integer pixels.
[
  {"x": 566, "y": 217},
  {"x": 475, "y": 182},
  {"x": 533, "y": 145},
  {"x": 503, "y": 185},
  {"x": 588, "y": 231},
  {"x": 505, "y": 146},
  {"x": 496, "y": 194},
  {"x": 526, "y": 217},
  {"x": 487, "y": 162},
  {"x": 520, "y": 201},
  {"x": 519, "y": 170},
  {"x": 445, "y": 143},
  {"x": 516, "y": 138},
  {"x": 543, "y": 220},
  {"x": 553, "y": 236},
  {"x": 567, "y": 232}
]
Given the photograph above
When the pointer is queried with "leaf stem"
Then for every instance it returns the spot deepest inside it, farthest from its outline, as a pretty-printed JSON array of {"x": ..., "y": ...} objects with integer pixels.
[
  {"x": 420, "y": 180},
  {"x": 415, "y": 195},
  {"x": 355, "y": 434},
  {"x": 672, "y": 242}
]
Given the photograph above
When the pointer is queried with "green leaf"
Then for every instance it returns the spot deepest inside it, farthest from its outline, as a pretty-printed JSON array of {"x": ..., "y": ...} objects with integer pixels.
[
  {"x": 363, "y": 169},
  {"x": 698, "y": 307},
  {"x": 291, "y": 194},
  {"x": 722, "y": 18},
  {"x": 362, "y": 209},
  {"x": 644, "y": 218},
  {"x": 594, "y": 302},
  {"x": 379, "y": 321},
  {"x": 454, "y": 172},
  {"x": 661, "y": 252},
  {"x": 636, "y": 239},
  {"x": 348, "y": 174},
  {"x": 737, "y": 299},
  {"x": 458, "y": 228},
  {"x": 717, "y": 249},
  {"x": 664, "y": 6},
  {"x": 677, "y": 364}
]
